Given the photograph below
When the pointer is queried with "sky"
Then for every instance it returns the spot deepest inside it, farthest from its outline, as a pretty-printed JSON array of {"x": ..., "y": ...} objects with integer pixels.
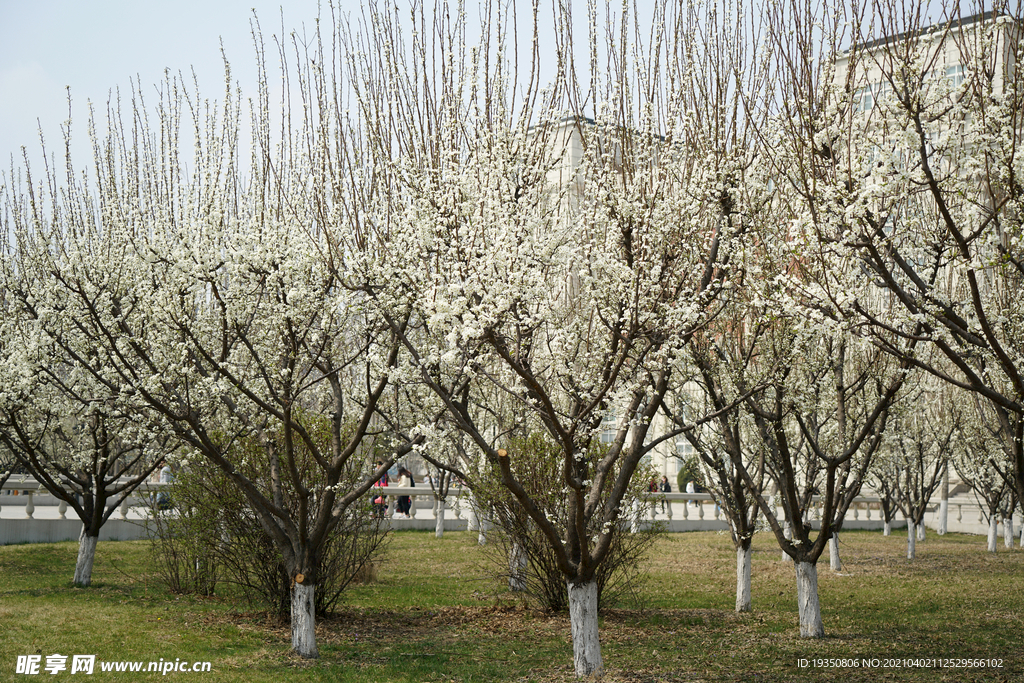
[
  {"x": 89, "y": 48},
  {"x": 94, "y": 47}
]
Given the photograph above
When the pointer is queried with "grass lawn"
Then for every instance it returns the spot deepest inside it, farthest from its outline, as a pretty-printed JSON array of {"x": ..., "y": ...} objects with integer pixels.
[{"x": 434, "y": 614}]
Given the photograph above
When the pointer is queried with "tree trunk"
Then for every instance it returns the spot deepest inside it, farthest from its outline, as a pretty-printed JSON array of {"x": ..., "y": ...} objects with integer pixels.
[
  {"x": 743, "y": 579},
  {"x": 944, "y": 504},
  {"x": 516, "y": 568},
  {"x": 485, "y": 526},
  {"x": 787, "y": 532},
  {"x": 887, "y": 528},
  {"x": 992, "y": 528},
  {"x": 911, "y": 538},
  {"x": 304, "y": 620},
  {"x": 921, "y": 531},
  {"x": 439, "y": 520},
  {"x": 807, "y": 601},
  {"x": 1008, "y": 532},
  {"x": 86, "y": 555},
  {"x": 472, "y": 518},
  {"x": 833, "y": 553},
  {"x": 586, "y": 647}
]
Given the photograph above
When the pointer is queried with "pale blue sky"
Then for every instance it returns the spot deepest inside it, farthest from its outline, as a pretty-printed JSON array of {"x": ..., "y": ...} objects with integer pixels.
[{"x": 95, "y": 46}]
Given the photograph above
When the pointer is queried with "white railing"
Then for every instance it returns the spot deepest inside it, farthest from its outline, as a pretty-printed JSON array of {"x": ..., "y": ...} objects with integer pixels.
[{"x": 26, "y": 494}]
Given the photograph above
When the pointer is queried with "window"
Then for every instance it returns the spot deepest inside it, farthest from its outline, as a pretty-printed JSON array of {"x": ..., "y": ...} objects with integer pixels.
[
  {"x": 955, "y": 75},
  {"x": 609, "y": 428},
  {"x": 863, "y": 99},
  {"x": 867, "y": 97}
]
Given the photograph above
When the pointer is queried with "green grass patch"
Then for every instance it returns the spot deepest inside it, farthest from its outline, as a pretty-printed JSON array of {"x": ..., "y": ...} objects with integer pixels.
[{"x": 435, "y": 613}]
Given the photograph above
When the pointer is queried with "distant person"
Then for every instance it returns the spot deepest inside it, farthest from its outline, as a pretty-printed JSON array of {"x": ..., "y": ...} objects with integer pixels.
[
  {"x": 404, "y": 504},
  {"x": 380, "y": 501},
  {"x": 665, "y": 488},
  {"x": 690, "y": 489}
]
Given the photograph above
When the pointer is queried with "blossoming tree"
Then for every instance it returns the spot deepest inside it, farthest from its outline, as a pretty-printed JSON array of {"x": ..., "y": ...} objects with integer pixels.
[
  {"x": 916, "y": 451},
  {"x": 902, "y": 156},
  {"x": 558, "y": 244},
  {"x": 83, "y": 443},
  {"x": 208, "y": 300}
]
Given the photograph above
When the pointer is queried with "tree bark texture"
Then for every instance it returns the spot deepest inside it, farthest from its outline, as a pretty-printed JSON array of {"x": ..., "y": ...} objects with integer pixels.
[
  {"x": 993, "y": 524},
  {"x": 921, "y": 532},
  {"x": 1008, "y": 532},
  {"x": 833, "y": 553},
  {"x": 807, "y": 601},
  {"x": 304, "y": 620},
  {"x": 86, "y": 555},
  {"x": 439, "y": 521},
  {"x": 911, "y": 541},
  {"x": 743, "y": 579},
  {"x": 887, "y": 529},
  {"x": 586, "y": 647}
]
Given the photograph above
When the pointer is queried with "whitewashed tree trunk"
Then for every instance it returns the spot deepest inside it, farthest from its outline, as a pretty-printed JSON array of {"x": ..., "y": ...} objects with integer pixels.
[
  {"x": 833, "y": 553},
  {"x": 887, "y": 528},
  {"x": 439, "y": 520},
  {"x": 807, "y": 601},
  {"x": 1020, "y": 543},
  {"x": 86, "y": 556},
  {"x": 304, "y": 620},
  {"x": 743, "y": 579},
  {"x": 921, "y": 532},
  {"x": 586, "y": 647},
  {"x": 472, "y": 518},
  {"x": 516, "y": 568},
  {"x": 911, "y": 538},
  {"x": 485, "y": 526},
  {"x": 992, "y": 533},
  {"x": 1008, "y": 532},
  {"x": 787, "y": 531}
]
